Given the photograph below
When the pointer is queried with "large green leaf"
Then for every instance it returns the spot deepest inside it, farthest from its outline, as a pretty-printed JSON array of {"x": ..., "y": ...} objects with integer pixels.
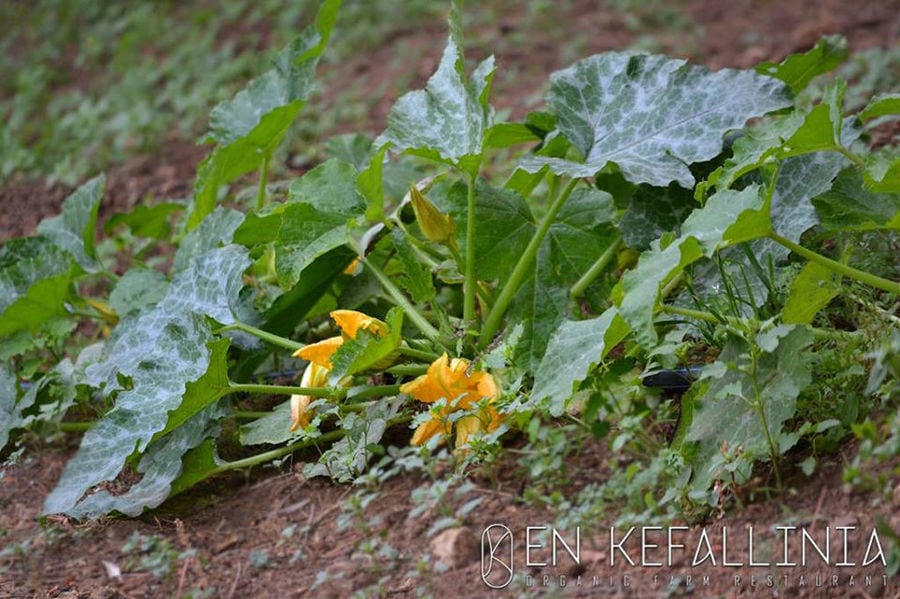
[
  {"x": 729, "y": 217},
  {"x": 652, "y": 211},
  {"x": 138, "y": 288},
  {"x": 159, "y": 467},
  {"x": 10, "y": 411},
  {"x": 215, "y": 231},
  {"x": 35, "y": 275},
  {"x": 797, "y": 70},
  {"x": 577, "y": 239},
  {"x": 575, "y": 348},
  {"x": 149, "y": 360},
  {"x": 448, "y": 120},
  {"x": 724, "y": 416},
  {"x": 251, "y": 125},
  {"x": 881, "y": 105},
  {"x": 321, "y": 208},
  {"x": 504, "y": 225},
  {"x": 811, "y": 290},
  {"x": 883, "y": 173},
  {"x": 849, "y": 205},
  {"x": 651, "y": 115},
  {"x": 73, "y": 230}
]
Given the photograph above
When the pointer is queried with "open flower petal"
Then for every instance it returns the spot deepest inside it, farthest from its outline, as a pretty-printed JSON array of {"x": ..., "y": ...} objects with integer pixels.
[
  {"x": 314, "y": 376},
  {"x": 351, "y": 321},
  {"x": 320, "y": 353}
]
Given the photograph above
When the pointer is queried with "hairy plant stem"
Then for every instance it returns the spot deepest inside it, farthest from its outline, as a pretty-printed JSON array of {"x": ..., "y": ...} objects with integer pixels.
[
  {"x": 397, "y": 296},
  {"x": 596, "y": 268},
  {"x": 842, "y": 269},
  {"x": 284, "y": 390},
  {"x": 418, "y": 354},
  {"x": 75, "y": 427},
  {"x": 818, "y": 334},
  {"x": 470, "y": 283},
  {"x": 760, "y": 406},
  {"x": 408, "y": 369},
  {"x": 261, "y": 334},
  {"x": 263, "y": 180},
  {"x": 274, "y": 454},
  {"x": 526, "y": 260}
]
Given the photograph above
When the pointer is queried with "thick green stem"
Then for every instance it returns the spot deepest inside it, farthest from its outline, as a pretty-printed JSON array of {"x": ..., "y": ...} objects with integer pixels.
[
  {"x": 274, "y": 454},
  {"x": 470, "y": 283},
  {"x": 411, "y": 312},
  {"x": 261, "y": 334},
  {"x": 818, "y": 334},
  {"x": 519, "y": 273},
  {"x": 283, "y": 390},
  {"x": 75, "y": 427},
  {"x": 374, "y": 391},
  {"x": 842, "y": 269},
  {"x": 410, "y": 352},
  {"x": 596, "y": 268},
  {"x": 263, "y": 180},
  {"x": 408, "y": 369}
]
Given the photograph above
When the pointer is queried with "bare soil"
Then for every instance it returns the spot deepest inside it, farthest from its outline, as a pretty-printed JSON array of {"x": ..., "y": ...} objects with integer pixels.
[{"x": 275, "y": 533}]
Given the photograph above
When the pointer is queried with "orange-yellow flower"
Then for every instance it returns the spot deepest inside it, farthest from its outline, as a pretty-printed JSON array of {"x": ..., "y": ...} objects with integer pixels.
[
  {"x": 449, "y": 379},
  {"x": 319, "y": 357}
]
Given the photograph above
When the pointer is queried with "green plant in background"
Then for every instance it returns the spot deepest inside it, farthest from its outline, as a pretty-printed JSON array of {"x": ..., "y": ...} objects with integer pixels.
[{"x": 496, "y": 302}]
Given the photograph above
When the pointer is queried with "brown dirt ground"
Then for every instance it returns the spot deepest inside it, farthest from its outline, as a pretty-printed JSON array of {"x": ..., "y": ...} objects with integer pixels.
[{"x": 274, "y": 533}]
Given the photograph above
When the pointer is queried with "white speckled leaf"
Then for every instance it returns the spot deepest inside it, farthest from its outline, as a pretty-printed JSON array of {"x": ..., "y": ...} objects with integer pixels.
[
  {"x": 448, "y": 119},
  {"x": 652, "y": 115},
  {"x": 73, "y": 230},
  {"x": 573, "y": 350},
  {"x": 161, "y": 351}
]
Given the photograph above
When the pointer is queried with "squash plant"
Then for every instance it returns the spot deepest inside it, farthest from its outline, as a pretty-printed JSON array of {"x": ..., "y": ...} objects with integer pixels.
[{"x": 642, "y": 215}]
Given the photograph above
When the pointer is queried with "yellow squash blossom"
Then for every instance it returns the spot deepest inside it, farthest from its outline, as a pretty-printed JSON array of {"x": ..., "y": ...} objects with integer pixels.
[
  {"x": 449, "y": 379},
  {"x": 319, "y": 357}
]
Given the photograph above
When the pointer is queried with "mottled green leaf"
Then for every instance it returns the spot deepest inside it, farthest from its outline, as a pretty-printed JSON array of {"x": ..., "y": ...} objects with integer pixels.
[
  {"x": 159, "y": 467},
  {"x": 149, "y": 361},
  {"x": 641, "y": 285},
  {"x": 414, "y": 276},
  {"x": 849, "y": 205},
  {"x": 652, "y": 211},
  {"x": 448, "y": 120},
  {"x": 272, "y": 429},
  {"x": 651, "y": 115},
  {"x": 575, "y": 348},
  {"x": 725, "y": 413},
  {"x": 73, "y": 230},
  {"x": 503, "y": 226},
  {"x": 881, "y": 105},
  {"x": 578, "y": 237},
  {"x": 729, "y": 217},
  {"x": 321, "y": 207},
  {"x": 35, "y": 275},
  {"x": 797, "y": 70},
  {"x": 811, "y": 290},
  {"x": 138, "y": 288},
  {"x": 217, "y": 230},
  {"x": 206, "y": 390},
  {"x": 353, "y": 148},
  {"x": 10, "y": 412},
  {"x": 147, "y": 221},
  {"x": 883, "y": 173},
  {"x": 248, "y": 127}
]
